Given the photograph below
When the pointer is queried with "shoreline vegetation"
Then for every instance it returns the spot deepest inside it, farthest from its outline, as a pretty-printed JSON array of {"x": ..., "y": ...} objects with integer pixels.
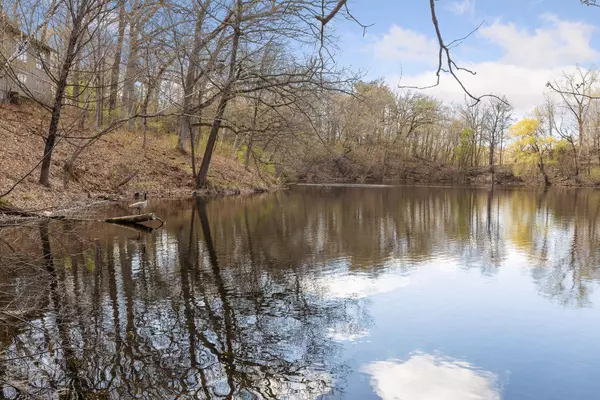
[
  {"x": 211, "y": 101},
  {"x": 126, "y": 162},
  {"x": 372, "y": 136}
]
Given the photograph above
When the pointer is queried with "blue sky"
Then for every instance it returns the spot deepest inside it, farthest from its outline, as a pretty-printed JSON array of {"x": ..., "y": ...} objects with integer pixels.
[{"x": 522, "y": 44}]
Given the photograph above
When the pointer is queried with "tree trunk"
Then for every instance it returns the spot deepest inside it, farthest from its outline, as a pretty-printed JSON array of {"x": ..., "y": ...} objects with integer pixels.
[
  {"x": 543, "y": 171},
  {"x": 198, "y": 133},
  {"x": 100, "y": 96},
  {"x": 492, "y": 148},
  {"x": 225, "y": 97},
  {"x": 210, "y": 144},
  {"x": 184, "y": 130},
  {"x": 501, "y": 149},
  {"x": 145, "y": 122},
  {"x": 58, "y": 102},
  {"x": 116, "y": 67},
  {"x": 248, "y": 151},
  {"x": 128, "y": 102},
  {"x": 193, "y": 148},
  {"x": 384, "y": 163},
  {"x": 576, "y": 160},
  {"x": 185, "y": 123}
]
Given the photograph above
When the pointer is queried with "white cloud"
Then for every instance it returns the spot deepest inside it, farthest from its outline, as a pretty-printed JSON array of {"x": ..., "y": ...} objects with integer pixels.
[
  {"x": 559, "y": 43},
  {"x": 404, "y": 45},
  {"x": 429, "y": 377},
  {"x": 462, "y": 7},
  {"x": 529, "y": 59},
  {"x": 524, "y": 87}
]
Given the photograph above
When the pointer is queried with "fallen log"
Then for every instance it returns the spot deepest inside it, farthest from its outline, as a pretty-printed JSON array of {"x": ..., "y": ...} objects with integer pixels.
[
  {"x": 139, "y": 228},
  {"x": 132, "y": 220}
]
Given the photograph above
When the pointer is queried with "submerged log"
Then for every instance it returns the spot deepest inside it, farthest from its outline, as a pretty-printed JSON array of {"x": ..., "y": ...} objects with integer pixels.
[
  {"x": 139, "y": 228},
  {"x": 134, "y": 221},
  {"x": 131, "y": 219}
]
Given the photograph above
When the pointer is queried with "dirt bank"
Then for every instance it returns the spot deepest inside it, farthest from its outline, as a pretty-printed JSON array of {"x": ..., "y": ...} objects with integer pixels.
[{"x": 114, "y": 168}]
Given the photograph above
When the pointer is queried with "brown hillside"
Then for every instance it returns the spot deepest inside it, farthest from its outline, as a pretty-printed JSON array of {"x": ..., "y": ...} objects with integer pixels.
[{"x": 159, "y": 169}]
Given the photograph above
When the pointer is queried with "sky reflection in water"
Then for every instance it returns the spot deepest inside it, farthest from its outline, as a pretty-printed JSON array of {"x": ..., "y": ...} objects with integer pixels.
[{"x": 317, "y": 292}]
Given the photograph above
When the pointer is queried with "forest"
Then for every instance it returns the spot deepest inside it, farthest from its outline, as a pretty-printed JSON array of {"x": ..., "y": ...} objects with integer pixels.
[{"x": 256, "y": 83}]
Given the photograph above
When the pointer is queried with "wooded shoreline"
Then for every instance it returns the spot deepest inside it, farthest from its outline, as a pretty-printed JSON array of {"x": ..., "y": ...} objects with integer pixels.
[{"x": 15, "y": 213}]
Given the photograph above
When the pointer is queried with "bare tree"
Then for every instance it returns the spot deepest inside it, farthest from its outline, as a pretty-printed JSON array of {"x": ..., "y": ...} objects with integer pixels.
[
  {"x": 575, "y": 90},
  {"x": 82, "y": 16},
  {"x": 497, "y": 119},
  {"x": 116, "y": 65}
]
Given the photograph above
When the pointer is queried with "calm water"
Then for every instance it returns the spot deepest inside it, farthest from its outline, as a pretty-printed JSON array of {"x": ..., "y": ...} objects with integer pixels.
[{"x": 314, "y": 293}]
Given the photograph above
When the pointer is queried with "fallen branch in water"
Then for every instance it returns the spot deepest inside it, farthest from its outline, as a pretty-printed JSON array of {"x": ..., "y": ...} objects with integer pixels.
[
  {"x": 134, "y": 219},
  {"x": 131, "y": 220}
]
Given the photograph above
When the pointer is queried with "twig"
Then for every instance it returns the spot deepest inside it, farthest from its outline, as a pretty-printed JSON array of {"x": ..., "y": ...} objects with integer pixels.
[
  {"x": 445, "y": 58},
  {"x": 325, "y": 19},
  {"x": 592, "y": 3},
  {"x": 560, "y": 91}
]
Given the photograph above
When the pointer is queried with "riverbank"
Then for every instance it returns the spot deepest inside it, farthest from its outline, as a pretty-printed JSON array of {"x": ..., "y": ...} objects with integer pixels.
[
  {"x": 411, "y": 171},
  {"x": 368, "y": 168},
  {"x": 114, "y": 168},
  {"x": 120, "y": 164}
]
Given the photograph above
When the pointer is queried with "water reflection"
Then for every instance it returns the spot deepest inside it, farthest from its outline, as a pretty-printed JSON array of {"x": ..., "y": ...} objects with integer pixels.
[
  {"x": 347, "y": 286},
  {"x": 259, "y": 297},
  {"x": 431, "y": 377}
]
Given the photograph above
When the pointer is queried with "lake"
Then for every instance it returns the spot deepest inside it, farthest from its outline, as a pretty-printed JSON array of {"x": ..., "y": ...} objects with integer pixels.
[{"x": 318, "y": 292}]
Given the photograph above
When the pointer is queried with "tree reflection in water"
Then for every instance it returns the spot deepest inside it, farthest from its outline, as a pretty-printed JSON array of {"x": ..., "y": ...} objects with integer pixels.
[
  {"x": 121, "y": 323},
  {"x": 251, "y": 297}
]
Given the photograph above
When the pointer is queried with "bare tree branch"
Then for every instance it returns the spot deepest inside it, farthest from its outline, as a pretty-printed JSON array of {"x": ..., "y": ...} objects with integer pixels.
[{"x": 445, "y": 62}]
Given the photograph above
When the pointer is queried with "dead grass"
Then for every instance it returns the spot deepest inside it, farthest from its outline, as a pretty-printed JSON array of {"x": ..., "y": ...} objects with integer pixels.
[{"x": 159, "y": 168}]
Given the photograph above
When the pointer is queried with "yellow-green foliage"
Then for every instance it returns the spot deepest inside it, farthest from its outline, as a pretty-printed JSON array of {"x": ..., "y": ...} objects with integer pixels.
[
  {"x": 90, "y": 261},
  {"x": 465, "y": 147},
  {"x": 530, "y": 146},
  {"x": 258, "y": 152},
  {"x": 261, "y": 155},
  {"x": 562, "y": 157},
  {"x": 28, "y": 196},
  {"x": 595, "y": 175},
  {"x": 240, "y": 154},
  {"x": 562, "y": 150},
  {"x": 172, "y": 140},
  {"x": 157, "y": 124},
  {"x": 525, "y": 170}
]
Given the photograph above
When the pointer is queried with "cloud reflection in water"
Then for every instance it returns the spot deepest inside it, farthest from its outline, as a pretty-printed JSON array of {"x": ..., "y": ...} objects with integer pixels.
[
  {"x": 431, "y": 377},
  {"x": 359, "y": 286}
]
